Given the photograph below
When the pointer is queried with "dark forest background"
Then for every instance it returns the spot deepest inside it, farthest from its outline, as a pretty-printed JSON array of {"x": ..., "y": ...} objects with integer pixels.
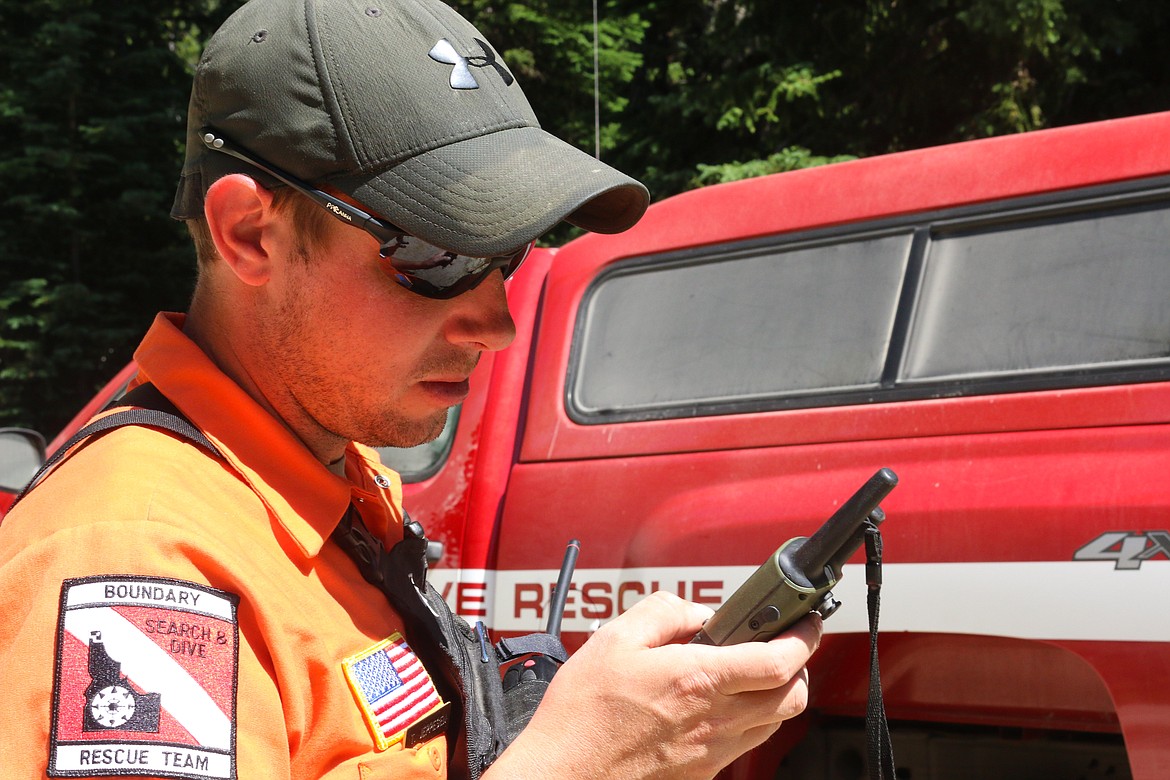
[{"x": 93, "y": 98}]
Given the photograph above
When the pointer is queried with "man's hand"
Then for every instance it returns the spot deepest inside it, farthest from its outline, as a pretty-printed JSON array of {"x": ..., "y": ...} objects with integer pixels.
[{"x": 638, "y": 701}]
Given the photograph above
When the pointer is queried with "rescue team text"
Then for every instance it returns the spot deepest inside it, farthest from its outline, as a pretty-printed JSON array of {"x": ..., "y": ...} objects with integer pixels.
[{"x": 128, "y": 757}]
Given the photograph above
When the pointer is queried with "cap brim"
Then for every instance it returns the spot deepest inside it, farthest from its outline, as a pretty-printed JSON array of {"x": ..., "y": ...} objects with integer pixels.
[{"x": 490, "y": 194}]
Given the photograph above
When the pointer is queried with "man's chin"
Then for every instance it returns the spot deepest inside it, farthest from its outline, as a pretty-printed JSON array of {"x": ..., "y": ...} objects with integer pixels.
[{"x": 408, "y": 434}]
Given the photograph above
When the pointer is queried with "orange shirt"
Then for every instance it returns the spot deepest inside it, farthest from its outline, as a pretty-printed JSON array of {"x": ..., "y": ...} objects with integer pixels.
[{"x": 143, "y": 565}]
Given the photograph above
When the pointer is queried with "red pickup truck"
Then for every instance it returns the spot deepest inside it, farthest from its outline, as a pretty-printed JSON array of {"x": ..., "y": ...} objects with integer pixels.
[{"x": 990, "y": 319}]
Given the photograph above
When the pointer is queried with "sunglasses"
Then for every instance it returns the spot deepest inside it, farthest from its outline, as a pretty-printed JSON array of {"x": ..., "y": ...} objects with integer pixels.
[{"x": 422, "y": 268}]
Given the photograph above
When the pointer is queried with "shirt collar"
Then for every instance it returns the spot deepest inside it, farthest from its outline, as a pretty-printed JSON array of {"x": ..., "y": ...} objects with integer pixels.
[{"x": 304, "y": 496}]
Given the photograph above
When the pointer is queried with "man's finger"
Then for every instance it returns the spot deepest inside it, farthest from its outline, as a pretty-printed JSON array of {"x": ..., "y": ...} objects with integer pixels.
[
  {"x": 660, "y": 619},
  {"x": 773, "y": 707},
  {"x": 761, "y": 666}
]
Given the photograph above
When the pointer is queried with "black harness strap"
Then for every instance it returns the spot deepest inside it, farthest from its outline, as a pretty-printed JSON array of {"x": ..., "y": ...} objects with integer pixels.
[
  {"x": 152, "y": 409},
  {"x": 470, "y": 681}
]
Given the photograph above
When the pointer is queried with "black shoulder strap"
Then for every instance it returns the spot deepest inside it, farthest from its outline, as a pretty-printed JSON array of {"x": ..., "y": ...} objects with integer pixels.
[{"x": 151, "y": 408}]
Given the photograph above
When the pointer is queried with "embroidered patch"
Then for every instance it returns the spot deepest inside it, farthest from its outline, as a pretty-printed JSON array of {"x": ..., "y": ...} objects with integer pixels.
[
  {"x": 393, "y": 691},
  {"x": 145, "y": 681}
]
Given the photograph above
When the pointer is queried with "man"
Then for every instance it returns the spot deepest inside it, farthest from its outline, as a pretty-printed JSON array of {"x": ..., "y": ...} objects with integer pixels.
[{"x": 184, "y": 607}]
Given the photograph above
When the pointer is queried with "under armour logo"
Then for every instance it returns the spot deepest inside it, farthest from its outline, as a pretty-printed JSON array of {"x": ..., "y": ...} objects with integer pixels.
[{"x": 461, "y": 77}]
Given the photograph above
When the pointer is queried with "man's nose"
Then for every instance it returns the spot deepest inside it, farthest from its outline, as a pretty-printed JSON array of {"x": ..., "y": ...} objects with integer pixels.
[{"x": 481, "y": 317}]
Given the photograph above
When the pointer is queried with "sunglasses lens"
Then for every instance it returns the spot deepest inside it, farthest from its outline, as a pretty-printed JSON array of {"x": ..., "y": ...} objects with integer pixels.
[{"x": 438, "y": 273}]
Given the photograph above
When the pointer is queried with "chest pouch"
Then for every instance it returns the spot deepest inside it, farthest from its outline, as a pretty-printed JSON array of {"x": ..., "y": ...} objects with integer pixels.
[{"x": 466, "y": 667}]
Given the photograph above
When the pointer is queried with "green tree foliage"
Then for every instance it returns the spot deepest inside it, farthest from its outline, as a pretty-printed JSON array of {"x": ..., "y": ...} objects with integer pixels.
[
  {"x": 692, "y": 92},
  {"x": 92, "y": 108},
  {"x": 734, "y": 88}
]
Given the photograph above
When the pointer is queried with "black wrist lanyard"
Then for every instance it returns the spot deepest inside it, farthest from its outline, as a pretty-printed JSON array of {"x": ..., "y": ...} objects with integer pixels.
[{"x": 880, "y": 755}]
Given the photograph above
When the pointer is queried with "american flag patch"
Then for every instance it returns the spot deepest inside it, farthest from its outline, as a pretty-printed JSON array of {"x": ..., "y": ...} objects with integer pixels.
[{"x": 392, "y": 689}]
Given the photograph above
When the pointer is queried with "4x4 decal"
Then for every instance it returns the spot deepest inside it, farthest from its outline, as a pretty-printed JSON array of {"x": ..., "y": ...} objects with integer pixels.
[{"x": 1126, "y": 549}]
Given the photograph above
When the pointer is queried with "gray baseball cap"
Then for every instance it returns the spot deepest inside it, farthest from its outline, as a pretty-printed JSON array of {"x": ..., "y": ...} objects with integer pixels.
[{"x": 403, "y": 105}]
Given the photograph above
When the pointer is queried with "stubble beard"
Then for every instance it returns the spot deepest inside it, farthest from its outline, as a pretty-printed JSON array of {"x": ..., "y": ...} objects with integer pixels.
[{"x": 321, "y": 392}]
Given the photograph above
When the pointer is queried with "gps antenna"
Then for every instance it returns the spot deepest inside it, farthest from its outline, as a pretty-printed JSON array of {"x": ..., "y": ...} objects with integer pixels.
[{"x": 839, "y": 537}]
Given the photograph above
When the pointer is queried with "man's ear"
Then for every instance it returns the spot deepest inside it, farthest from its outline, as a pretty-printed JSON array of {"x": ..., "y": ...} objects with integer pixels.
[{"x": 239, "y": 213}]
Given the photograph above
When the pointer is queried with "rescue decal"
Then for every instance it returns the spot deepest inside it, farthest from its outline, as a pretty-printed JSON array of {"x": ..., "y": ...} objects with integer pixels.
[
  {"x": 1090, "y": 598},
  {"x": 145, "y": 680},
  {"x": 395, "y": 694}
]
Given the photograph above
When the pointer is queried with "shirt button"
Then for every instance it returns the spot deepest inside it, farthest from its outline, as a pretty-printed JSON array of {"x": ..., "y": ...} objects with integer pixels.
[{"x": 436, "y": 758}]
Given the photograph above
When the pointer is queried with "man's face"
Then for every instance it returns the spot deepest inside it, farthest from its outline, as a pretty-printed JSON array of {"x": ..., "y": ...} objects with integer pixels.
[{"x": 361, "y": 357}]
